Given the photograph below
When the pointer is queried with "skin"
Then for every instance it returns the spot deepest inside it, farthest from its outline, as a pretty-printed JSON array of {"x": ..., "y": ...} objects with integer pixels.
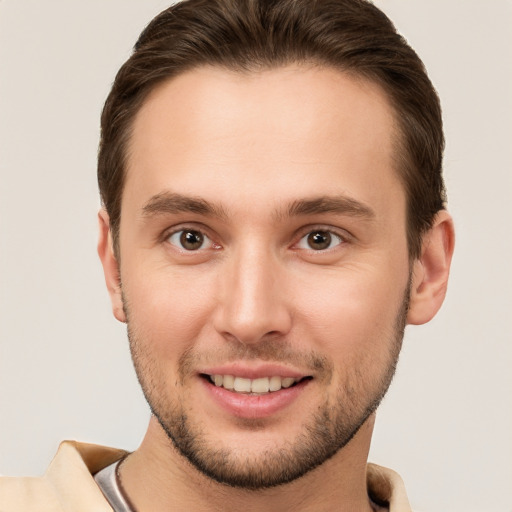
[{"x": 260, "y": 149}]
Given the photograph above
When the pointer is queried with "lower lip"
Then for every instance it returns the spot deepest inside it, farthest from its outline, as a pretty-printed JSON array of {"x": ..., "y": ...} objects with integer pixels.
[{"x": 255, "y": 406}]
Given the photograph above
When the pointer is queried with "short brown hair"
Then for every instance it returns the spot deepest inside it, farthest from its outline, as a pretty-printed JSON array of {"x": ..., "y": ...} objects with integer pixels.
[{"x": 249, "y": 35}]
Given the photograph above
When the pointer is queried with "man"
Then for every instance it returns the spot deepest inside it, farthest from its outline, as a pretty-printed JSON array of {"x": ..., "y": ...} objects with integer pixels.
[{"x": 274, "y": 215}]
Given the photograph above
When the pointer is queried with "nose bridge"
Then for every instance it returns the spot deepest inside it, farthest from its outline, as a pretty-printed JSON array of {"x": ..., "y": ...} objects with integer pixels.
[{"x": 253, "y": 304}]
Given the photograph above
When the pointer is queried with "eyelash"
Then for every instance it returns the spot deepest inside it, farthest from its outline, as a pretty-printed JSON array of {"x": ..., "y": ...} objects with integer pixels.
[
  {"x": 186, "y": 229},
  {"x": 332, "y": 235}
]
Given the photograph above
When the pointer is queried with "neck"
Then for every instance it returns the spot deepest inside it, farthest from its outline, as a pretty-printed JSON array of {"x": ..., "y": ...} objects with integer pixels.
[{"x": 157, "y": 478}]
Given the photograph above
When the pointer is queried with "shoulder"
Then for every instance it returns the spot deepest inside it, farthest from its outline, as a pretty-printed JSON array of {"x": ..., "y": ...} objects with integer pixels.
[
  {"x": 25, "y": 494},
  {"x": 68, "y": 483}
]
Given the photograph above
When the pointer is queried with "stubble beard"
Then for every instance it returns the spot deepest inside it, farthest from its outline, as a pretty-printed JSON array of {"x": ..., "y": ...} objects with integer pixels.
[{"x": 329, "y": 429}]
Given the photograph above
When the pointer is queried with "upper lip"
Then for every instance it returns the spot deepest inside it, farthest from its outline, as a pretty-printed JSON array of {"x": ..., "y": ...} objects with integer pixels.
[{"x": 254, "y": 371}]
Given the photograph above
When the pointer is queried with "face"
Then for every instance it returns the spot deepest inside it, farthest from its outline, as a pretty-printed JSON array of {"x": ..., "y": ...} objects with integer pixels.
[{"x": 264, "y": 265}]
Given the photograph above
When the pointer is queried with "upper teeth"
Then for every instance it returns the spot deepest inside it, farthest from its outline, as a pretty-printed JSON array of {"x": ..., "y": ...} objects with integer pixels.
[{"x": 261, "y": 385}]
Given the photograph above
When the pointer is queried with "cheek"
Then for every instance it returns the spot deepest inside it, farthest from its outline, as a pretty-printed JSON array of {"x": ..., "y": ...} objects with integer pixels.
[
  {"x": 169, "y": 308},
  {"x": 354, "y": 323},
  {"x": 353, "y": 312}
]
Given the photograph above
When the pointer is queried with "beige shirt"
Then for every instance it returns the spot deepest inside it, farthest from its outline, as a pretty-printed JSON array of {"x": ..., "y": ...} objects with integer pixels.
[{"x": 68, "y": 484}]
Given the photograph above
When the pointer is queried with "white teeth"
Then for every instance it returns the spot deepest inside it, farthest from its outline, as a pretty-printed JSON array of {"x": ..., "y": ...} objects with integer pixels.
[
  {"x": 229, "y": 382},
  {"x": 287, "y": 382},
  {"x": 242, "y": 385},
  {"x": 258, "y": 386},
  {"x": 274, "y": 383}
]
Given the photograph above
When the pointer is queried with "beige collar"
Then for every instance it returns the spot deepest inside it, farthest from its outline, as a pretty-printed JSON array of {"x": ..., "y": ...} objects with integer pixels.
[{"x": 69, "y": 477}]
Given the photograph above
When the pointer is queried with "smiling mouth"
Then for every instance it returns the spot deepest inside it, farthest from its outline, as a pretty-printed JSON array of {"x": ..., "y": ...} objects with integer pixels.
[{"x": 260, "y": 386}]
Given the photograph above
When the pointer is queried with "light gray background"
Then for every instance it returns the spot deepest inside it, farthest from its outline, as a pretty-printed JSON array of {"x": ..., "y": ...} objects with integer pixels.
[{"x": 446, "y": 424}]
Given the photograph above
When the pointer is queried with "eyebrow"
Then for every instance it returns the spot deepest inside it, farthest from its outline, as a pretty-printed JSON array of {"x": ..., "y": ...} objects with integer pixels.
[
  {"x": 169, "y": 203},
  {"x": 172, "y": 203},
  {"x": 341, "y": 205}
]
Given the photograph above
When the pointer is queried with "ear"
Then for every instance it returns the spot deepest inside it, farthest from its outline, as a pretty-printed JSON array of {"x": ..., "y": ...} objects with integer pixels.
[
  {"x": 431, "y": 270},
  {"x": 110, "y": 265}
]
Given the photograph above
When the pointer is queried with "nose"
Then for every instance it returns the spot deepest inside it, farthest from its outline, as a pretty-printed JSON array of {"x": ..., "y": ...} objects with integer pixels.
[{"x": 253, "y": 303}]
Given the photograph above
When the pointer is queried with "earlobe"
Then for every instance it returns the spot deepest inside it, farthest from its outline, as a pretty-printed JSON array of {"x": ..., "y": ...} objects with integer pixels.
[
  {"x": 110, "y": 265},
  {"x": 431, "y": 270}
]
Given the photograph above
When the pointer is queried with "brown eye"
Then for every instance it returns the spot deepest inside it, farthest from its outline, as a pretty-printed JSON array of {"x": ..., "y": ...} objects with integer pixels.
[
  {"x": 189, "y": 239},
  {"x": 319, "y": 240}
]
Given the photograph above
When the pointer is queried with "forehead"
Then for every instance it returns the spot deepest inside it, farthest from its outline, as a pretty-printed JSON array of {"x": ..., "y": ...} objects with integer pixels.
[{"x": 297, "y": 127}]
